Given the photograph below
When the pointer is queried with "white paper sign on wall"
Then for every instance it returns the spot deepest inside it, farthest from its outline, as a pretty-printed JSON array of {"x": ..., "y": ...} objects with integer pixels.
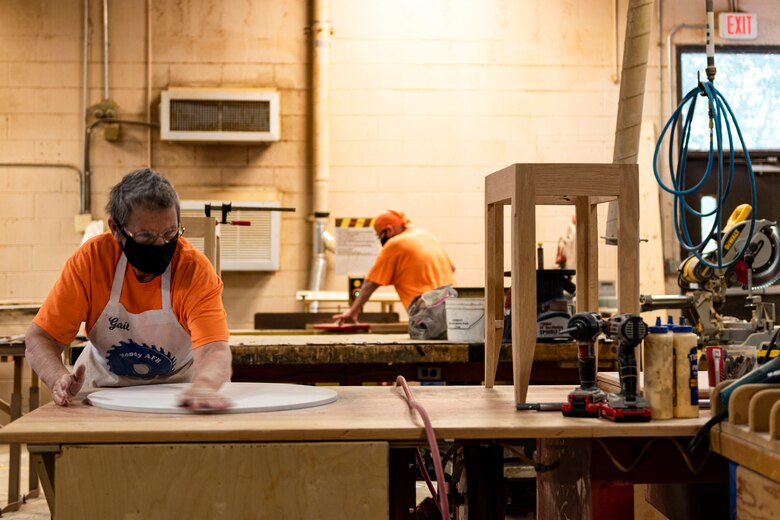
[
  {"x": 356, "y": 245},
  {"x": 738, "y": 26}
]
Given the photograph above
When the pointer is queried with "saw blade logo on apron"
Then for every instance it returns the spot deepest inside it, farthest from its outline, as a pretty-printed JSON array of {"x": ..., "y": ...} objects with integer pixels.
[
  {"x": 128, "y": 358},
  {"x": 128, "y": 349}
]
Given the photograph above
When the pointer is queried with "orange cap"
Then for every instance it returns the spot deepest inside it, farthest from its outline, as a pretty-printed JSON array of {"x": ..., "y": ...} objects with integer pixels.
[{"x": 390, "y": 218}]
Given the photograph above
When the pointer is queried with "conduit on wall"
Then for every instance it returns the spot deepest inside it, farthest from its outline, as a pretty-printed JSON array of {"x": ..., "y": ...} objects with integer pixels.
[
  {"x": 632, "y": 94},
  {"x": 320, "y": 30}
]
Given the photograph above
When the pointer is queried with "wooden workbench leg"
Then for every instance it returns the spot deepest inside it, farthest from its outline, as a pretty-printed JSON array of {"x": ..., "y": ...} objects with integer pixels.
[
  {"x": 43, "y": 457},
  {"x": 563, "y": 479},
  {"x": 494, "y": 289},
  {"x": 14, "y": 451},
  {"x": 402, "y": 497},
  {"x": 486, "y": 488},
  {"x": 34, "y": 401},
  {"x": 523, "y": 282}
]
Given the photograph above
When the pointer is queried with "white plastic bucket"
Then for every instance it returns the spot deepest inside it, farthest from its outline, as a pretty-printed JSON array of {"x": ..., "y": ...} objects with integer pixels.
[{"x": 465, "y": 319}]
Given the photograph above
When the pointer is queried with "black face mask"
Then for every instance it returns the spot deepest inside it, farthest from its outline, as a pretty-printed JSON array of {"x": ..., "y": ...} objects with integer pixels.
[{"x": 149, "y": 259}]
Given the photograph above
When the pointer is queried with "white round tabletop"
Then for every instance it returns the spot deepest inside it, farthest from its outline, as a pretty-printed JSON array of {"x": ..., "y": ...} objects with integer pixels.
[{"x": 246, "y": 397}]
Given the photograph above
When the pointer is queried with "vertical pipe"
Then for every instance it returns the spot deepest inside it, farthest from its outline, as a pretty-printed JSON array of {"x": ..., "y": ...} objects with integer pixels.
[
  {"x": 669, "y": 46},
  {"x": 616, "y": 45},
  {"x": 666, "y": 230},
  {"x": 105, "y": 49},
  {"x": 660, "y": 21},
  {"x": 710, "y": 42},
  {"x": 321, "y": 31},
  {"x": 673, "y": 253},
  {"x": 149, "y": 83},
  {"x": 83, "y": 206}
]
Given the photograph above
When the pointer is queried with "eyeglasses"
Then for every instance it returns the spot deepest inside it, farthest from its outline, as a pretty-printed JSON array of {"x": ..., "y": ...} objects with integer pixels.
[{"x": 148, "y": 237}]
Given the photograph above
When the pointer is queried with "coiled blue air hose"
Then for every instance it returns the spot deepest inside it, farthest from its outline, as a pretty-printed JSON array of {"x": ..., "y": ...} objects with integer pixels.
[{"x": 720, "y": 115}]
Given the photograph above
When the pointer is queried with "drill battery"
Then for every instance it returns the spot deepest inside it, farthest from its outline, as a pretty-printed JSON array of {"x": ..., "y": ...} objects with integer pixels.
[
  {"x": 618, "y": 413},
  {"x": 583, "y": 403}
]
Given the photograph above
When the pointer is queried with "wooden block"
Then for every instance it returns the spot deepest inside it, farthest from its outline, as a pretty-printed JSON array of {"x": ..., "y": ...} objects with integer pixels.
[
  {"x": 215, "y": 481},
  {"x": 757, "y": 496},
  {"x": 740, "y": 399},
  {"x": 774, "y": 422},
  {"x": 715, "y": 404},
  {"x": 760, "y": 407}
]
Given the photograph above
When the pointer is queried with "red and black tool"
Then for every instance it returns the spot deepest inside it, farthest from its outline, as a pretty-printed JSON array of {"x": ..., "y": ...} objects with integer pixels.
[
  {"x": 586, "y": 400},
  {"x": 626, "y": 406}
]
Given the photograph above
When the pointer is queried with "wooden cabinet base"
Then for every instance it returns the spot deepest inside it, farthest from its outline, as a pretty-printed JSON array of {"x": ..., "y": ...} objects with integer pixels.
[
  {"x": 210, "y": 481},
  {"x": 757, "y": 496}
]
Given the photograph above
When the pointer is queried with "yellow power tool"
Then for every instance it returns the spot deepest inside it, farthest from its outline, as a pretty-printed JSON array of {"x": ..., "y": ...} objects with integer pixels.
[{"x": 763, "y": 251}]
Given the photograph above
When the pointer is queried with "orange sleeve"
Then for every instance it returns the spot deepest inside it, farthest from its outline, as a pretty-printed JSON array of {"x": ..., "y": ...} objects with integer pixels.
[{"x": 82, "y": 289}]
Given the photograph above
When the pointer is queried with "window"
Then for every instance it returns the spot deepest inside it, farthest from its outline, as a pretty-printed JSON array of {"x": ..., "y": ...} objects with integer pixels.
[{"x": 748, "y": 77}]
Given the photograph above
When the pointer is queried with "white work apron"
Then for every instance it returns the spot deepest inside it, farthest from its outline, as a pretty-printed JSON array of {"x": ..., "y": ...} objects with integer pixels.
[{"x": 128, "y": 349}]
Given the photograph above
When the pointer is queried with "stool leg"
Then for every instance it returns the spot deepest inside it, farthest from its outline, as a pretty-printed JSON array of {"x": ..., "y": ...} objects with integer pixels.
[
  {"x": 523, "y": 282},
  {"x": 494, "y": 289}
]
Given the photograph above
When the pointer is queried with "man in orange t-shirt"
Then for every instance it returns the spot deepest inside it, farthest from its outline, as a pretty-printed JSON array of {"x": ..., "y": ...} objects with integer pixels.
[
  {"x": 411, "y": 259},
  {"x": 151, "y": 304}
]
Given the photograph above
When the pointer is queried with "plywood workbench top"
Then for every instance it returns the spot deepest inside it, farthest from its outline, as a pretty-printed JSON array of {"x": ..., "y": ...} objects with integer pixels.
[
  {"x": 360, "y": 413},
  {"x": 343, "y": 348},
  {"x": 250, "y": 349}
]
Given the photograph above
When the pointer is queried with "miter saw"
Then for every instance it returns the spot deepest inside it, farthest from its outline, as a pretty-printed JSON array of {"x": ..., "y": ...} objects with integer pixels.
[{"x": 758, "y": 268}]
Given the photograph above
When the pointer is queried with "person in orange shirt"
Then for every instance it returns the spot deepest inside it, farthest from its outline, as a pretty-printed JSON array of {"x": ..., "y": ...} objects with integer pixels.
[
  {"x": 411, "y": 259},
  {"x": 150, "y": 301}
]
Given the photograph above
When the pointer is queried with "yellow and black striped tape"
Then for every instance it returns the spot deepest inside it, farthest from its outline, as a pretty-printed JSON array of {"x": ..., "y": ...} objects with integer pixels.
[{"x": 354, "y": 222}]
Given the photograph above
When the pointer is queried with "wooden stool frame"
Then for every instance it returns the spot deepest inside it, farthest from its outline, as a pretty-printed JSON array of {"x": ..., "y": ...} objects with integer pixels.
[
  {"x": 208, "y": 229},
  {"x": 524, "y": 186}
]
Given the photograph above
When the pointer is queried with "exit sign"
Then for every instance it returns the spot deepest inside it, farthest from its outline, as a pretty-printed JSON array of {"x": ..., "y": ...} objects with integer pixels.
[{"x": 738, "y": 26}]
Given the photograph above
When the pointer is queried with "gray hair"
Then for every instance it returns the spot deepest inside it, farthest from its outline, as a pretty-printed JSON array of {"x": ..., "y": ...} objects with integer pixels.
[{"x": 144, "y": 188}]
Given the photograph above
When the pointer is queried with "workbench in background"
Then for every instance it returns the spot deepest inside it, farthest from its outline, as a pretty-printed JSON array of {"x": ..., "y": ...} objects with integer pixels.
[
  {"x": 12, "y": 348},
  {"x": 387, "y": 299},
  {"x": 352, "y": 359},
  {"x": 348, "y": 459}
]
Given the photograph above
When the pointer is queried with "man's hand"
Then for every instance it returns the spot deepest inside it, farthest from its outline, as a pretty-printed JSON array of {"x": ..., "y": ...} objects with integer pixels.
[
  {"x": 67, "y": 386},
  {"x": 199, "y": 398},
  {"x": 351, "y": 315},
  {"x": 212, "y": 363}
]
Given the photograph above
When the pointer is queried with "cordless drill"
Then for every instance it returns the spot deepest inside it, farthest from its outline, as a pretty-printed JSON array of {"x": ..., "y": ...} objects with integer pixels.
[
  {"x": 628, "y": 330},
  {"x": 586, "y": 400}
]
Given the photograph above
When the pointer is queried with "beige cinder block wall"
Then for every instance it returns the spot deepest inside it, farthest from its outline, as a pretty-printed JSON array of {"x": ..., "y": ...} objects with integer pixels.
[{"x": 426, "y": 99}]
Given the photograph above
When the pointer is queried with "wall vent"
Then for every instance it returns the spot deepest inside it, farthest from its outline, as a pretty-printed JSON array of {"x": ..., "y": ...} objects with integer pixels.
[
  {"x": 243, "y": 248},
  {"x": 221, "y": 115}
]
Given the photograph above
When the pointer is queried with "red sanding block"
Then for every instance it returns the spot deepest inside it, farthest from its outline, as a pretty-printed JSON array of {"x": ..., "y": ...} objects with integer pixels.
[{"x": 343, "y": 327}]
